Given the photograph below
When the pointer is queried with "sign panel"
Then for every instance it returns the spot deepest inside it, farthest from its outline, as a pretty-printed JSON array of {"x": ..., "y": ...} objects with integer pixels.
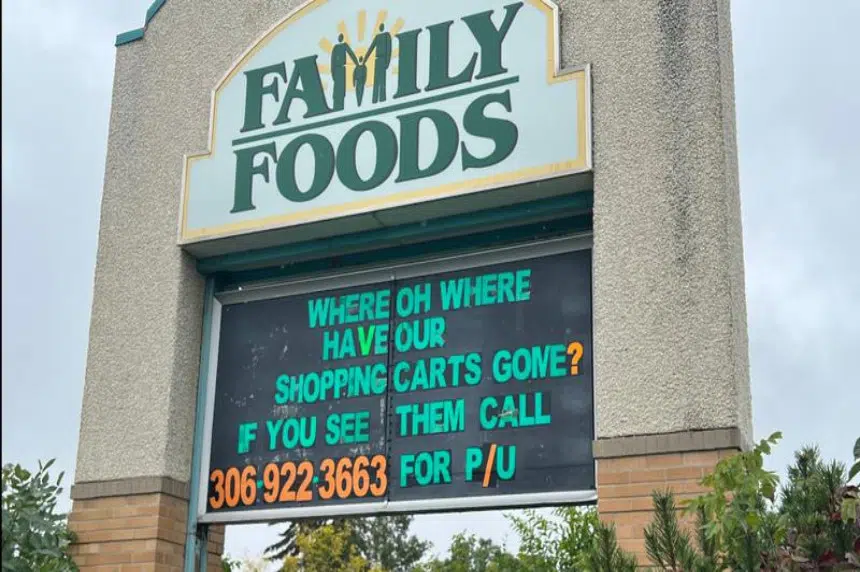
[
  {"x": 347, "y": 108},
  {"x": 422, "y": 388}
]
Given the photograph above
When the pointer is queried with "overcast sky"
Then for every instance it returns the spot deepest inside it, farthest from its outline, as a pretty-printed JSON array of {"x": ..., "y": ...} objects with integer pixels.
[{"x": 798, "y": 103}]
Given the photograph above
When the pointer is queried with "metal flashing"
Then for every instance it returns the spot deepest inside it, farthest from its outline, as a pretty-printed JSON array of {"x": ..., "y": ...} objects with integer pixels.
[{"x": 137, "y": 34}]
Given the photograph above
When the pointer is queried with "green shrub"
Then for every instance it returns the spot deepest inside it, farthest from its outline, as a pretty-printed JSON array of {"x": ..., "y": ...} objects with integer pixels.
[{"x": 35, "y": 536}]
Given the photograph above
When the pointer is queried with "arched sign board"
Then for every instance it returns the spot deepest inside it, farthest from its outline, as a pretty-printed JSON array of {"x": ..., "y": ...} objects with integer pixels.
[
  {"x": 448, "y": 385},
  {"x": 455, "y": 384},
  {"x": 348, "y": 117}
]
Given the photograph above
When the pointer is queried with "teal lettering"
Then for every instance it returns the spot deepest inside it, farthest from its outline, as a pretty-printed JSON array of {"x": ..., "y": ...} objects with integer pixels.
[
  {"x": 407, "y": 467},
  {"x": 332, "y": 424},
  {"x": 506, "y": 287},
  {"x": 426, "y": 468},
  {"x": 246, "y": 169},
  {"x": 474, "y": 460},
  {"x": 503, "y": 133},
  {"x": 447, "y": 136},
  {"x": 487, "y": 410},
  {"x": 490, "y": 38},
  {"x": 338, "y": 345},
  {"x": 538, "y": 362},
  {"x": 452, "y": 294},
  {"x": 299, "y": 431},
  {"x": 523, "y": 285},
  {"x": 540, "y": 417},
  {"x": 247, "y": 435},
  {"x": 255, "y": 89},
  {"x": 435, "y": 417},
  {"x": 323, "y": 168},
  {"x": 401, "y": 385},
  {"x": 508, "y": 416},
  {"x": 413, "y": 300},
  {"x": 473, "y": 365},
  {"x": 501, "y": 366},
  {"x": 407, "y": 75},
  {"x": 516, "y": 411},
  {"x": 305, "y": 84},
  {"x": 282, "y": 387},
  {"x": 506, "y": 468},
  {"x": 438, "y": 372},
  {"x": 274, "y": 429},
  {"x": 420, "y": 334},
  {"x": 319, "y": 310},
  {"x": 348, "y": 428},
  {"x": 339, "y": 383},
  {"x": 558, "y": 361},
  {"x": 381, "y": 340},
  {"x": 485, "y": 290},
  {"x": 440, "y": 75},
  {"x": 386, "y": 156}
]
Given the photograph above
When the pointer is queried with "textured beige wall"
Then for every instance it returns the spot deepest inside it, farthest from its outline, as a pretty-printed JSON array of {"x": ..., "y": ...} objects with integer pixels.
[
  {"x": 670, "y": 322},
  {"x": 670, "y": 313}
]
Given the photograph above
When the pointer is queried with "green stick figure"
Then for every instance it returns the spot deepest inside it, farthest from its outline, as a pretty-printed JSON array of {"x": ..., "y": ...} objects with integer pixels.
[
  {"x": 339, "y": 53},
  {"x": 359, "y": 79},
  {"x": 382, "y": 46}
]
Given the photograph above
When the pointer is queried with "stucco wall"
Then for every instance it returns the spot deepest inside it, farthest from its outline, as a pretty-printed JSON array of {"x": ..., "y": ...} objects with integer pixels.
[
  {"x": 670, "y": 315},
  {"x": 670, "y": 323}
]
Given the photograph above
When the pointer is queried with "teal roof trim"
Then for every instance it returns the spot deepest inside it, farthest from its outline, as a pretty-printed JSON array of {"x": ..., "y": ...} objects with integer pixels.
[
  {"x": 134, "y": 35},
  {"x": 153, "y": 10}
]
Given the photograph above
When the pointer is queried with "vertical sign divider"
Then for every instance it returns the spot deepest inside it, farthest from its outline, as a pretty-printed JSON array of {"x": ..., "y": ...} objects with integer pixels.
[{"x": 389, "y": 397}]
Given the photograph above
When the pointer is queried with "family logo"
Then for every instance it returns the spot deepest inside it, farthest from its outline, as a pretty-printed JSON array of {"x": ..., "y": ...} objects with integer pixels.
[
  {"x": 290, "y": 109},
  {"x": 353, "y": 69}
]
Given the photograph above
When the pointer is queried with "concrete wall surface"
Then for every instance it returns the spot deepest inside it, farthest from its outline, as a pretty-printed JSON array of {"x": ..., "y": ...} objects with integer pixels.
[{"x": 669, "y": 315}]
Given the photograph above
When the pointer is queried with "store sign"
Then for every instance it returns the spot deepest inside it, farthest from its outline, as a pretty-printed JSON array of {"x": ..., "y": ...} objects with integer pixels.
[
  {"x": 345, "y": 109},
  {"x": 454, "y": 387}
]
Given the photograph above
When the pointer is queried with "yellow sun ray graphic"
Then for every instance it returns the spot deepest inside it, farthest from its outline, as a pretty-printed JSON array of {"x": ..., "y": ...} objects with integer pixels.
[
  {"x": 342, "y": 29},
  {"x": 363, "y": 38},
  {"x": 380, "y": 18},
  {"x": 362, "y": 25}
]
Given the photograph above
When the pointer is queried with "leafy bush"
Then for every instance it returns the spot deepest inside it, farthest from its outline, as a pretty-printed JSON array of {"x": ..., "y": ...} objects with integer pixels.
[
  {"x": 328, "y": 548},
  {"x": 558, "y": 543},
  {"x": 35, "y": 536},
  {"x": 741, "y": 526},
  {"x": 604, "y": 554}
]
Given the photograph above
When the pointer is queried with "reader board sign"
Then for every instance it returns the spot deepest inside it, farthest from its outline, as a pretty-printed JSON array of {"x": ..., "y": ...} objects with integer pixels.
[
  {"x": 443, "y": 389},
  {"x": 348, "y": 108}
]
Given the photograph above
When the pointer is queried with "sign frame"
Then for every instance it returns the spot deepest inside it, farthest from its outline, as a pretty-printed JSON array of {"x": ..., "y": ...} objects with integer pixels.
[
  {"x": 555, "y": 73},
  {"x": 364, "y": 276}
]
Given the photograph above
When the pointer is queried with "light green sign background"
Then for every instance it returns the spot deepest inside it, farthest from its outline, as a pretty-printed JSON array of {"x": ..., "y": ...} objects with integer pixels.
[{"x": 549, "y": 107}]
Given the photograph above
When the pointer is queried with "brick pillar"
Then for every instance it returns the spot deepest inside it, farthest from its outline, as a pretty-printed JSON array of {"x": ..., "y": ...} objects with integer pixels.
[
  {"x": 629, "y": 469},
  {"x": 137, "y": 531}
]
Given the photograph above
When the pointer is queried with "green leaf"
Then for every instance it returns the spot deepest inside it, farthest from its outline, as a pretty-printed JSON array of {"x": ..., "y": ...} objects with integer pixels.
[
  {"x": 849, "y": 509},
  {"x": 854, "y": 470},
  {"x": 857, "y": 449},
  {"x": 753, "y": 520}
]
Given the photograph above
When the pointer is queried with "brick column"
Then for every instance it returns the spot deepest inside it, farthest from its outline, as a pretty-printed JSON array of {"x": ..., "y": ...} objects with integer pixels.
[
  {"x": 629, "y": 469},
  {"x": 135, "y": 525}
]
